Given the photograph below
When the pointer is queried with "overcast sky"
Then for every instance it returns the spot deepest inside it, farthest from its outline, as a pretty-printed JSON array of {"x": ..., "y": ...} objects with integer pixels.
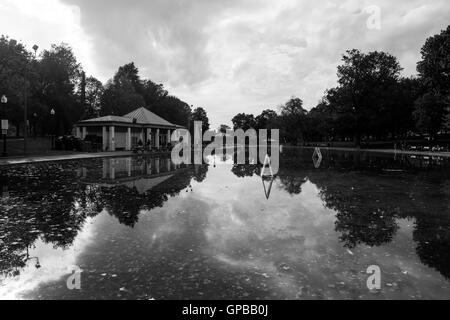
[{"x": 228, "y": 56}]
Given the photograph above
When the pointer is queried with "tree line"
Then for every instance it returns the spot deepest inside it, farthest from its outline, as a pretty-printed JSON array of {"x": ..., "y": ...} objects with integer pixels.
[
  {"x": 371, "y": 101},
  {"x": 55, "y": 80}
]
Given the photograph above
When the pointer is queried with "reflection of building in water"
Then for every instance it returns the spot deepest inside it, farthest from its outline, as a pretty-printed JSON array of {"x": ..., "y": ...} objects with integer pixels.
[{"x": 140, "y": 173}]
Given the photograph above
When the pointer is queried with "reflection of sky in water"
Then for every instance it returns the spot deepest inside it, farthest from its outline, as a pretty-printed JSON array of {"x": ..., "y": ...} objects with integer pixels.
[
  {"x": 221, "y": 238},
  {"x": 55, "y": 263}
]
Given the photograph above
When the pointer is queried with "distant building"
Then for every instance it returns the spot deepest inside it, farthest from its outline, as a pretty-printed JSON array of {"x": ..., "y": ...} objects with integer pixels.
[{"x": 123, "y": 133}]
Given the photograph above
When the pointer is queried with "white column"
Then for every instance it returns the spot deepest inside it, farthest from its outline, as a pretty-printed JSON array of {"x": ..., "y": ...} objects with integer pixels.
[
  {"x": 128, "y": 140},
  {"x": 157, "y": 165},
  {"x": 112, "y": 142},
  {"x": 149, "y": 166},
  {"x": 78, "y": 130},
  {"x": 157, "y": 139},
  {"x": 149, "y": 135},
  {"x": 105, "y": 139},
  {"x": 84, "y": 134},
  {"x": 168, "y": 137}
]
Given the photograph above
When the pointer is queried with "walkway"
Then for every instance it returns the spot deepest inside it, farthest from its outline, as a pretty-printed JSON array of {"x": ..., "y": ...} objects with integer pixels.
[
  {"x": 74, "y": 156},
  {"x": 391, "y": 151}
]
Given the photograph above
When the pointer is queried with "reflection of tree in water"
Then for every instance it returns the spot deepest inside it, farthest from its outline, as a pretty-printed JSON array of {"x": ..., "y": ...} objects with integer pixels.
[
  {"x": 50, "y": 202},
  {"x": 432, "y": 231},
  {"x": 368, "y": 203},
  {"x": 200, "y": 172},
  {"x": 292, "y": 184},
  {"x": 245, "y": 170}
]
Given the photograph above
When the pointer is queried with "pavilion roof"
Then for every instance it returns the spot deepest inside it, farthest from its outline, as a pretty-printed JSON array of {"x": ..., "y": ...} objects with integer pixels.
[{"x": 141, "y": 116}]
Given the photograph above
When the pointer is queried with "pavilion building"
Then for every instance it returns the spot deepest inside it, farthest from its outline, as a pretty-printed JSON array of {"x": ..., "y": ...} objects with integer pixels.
[{"x": 123, "y": 133}]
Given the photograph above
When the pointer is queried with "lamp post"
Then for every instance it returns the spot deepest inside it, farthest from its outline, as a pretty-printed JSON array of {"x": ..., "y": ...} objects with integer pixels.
[
  {"x": 4, "y": 101},
  {"x": 25, "y": 115},
  {"x": 52, "y": 114},
  {"x": 34, "y": 124}
]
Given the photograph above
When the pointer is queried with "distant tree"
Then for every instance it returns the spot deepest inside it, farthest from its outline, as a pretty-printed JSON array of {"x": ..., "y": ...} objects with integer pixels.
[
  {"x": 200, "y": 114},
  {"x": 173, "y": 110},
  {"x": 292, "y": 120},
  {"x": 60, "y": 75},
  {"x": 434, "y": 71},
  {"x": 429, "y": 113},
  {"x": 266, "y": 120},
  {"x": 397, "y": 107},
  {"x": 17, "y": 70},
  {"x": 123, "y": 93},
  {"x": 320, "y": 124},
  {"x": 294, "y": 107},
  {"x": 434, "y": 68},
  {"x": 153, "y": 93},
  {"x": 243, "y": 121},
  {"x": 93, "y": 97},
  {"x": 223, "y": 128},
  {"x": 364, "y": 80}
]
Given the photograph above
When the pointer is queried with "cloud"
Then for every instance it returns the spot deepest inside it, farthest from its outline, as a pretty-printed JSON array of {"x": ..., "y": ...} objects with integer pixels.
[{"x": 230, "y": 56}]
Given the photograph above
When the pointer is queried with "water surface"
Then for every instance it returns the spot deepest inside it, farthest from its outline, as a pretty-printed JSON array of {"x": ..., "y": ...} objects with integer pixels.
[{"x": 144, "y": 228}]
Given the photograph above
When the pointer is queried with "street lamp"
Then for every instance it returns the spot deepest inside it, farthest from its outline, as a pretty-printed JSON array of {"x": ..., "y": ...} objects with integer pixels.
[
  {"x": 25, "y": 111},
  {"x": 4, "y": 101},
  {"x": 34, "y": 124},
  {"x": 52, "y": 114}
]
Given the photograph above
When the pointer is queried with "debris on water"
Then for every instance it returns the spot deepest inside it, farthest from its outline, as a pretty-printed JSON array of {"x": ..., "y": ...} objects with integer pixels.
[{"x": 349, "y": 251}]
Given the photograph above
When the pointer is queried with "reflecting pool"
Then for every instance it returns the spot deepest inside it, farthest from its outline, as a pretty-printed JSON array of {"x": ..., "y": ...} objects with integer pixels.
[{"x": 145, "y": 228}]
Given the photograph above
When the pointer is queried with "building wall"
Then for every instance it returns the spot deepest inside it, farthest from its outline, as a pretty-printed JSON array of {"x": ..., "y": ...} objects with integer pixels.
[{"x": 120, "y": 137}]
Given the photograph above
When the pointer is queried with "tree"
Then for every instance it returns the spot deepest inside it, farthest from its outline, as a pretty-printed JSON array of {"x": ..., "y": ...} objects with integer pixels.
[
  {"x": 243, "y": 121},
  {"x": 223, "y": 128},
  {"x": 292, "y": 120},
  {"x": 126, "y": 91},
  {"x": 434, "y": 71},
  {"x": 429, "y": 113},
  {"x": 294, "y": 107},
  {"x": 19, "y": 78},
  {"x": 60, "y": 75},
  {"x": 363, "y": 81},
  {"x": 434, "y": 68},
  {"x": 123, "y": 93},
  {"x": 93, "y": 97},
  {"x": 266, "y": 120},
  {"x": 200, "y": 114},
  {"x": 173, "y": 110}
]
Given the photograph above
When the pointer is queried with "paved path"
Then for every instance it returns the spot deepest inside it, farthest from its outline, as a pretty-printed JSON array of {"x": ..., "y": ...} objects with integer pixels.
[
  {"x": 391, "y": 151},
  {"x": 75, "y": 156}
]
